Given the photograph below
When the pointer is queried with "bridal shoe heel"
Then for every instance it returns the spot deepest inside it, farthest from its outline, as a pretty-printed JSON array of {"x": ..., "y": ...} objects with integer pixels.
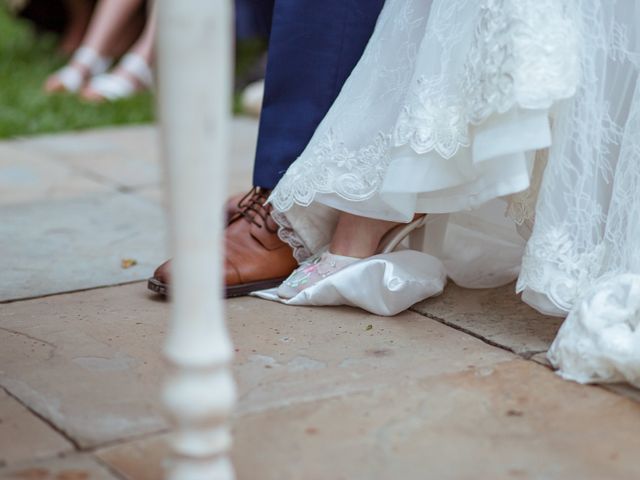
[
  {"x": 415, "y": 230},
  {"x": 324, "y": 264}
]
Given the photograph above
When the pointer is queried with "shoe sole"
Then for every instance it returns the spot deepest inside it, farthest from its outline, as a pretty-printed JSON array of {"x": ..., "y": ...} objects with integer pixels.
[{"x": 157, "y": 286}]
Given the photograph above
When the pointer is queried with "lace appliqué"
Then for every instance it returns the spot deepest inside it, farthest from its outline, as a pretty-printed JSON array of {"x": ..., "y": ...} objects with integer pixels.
[
  {"x": 432, "y": 121},
  {"x": 334, "y": 168},
  {"x": 552, "y": 265},
  {"x": 522, "y": 206},
  {"x": 524, "y": 52},
  {"x": 288, "y": 235}
]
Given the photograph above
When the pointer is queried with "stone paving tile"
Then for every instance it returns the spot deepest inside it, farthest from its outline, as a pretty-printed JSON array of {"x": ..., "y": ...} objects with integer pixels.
[
  {"x": 239, "y": 182},
  {"x": 90, "y": 361},
  {"x": 141, "y": 459},
  {"x": 497, "y": 315},
  {"x": 287, "y": 355},
  {"x": 62, "y": 225},
  {"x": 155, "y": 194},
  {"x": 624, "y": 389},
  {"x": 72, "y": 467},
  {"x": 31, "y": 177},
  {"x": 239, "y": 168},
  {"x": 130, "y": 156},
  {"x": 244, "y": 138},
  {"x": 122, "y": 157},
  {"x": 513, "y": 420},
  {"x": 542, "y": 359},
  {"x": 23, "y": 436},
  {"x": 69, "y": 244}
]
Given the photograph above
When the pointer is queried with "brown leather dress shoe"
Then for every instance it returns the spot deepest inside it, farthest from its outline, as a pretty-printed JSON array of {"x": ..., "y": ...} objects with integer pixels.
[
  {"x": 255, "y": 258},
  {"x": 234, "y": 205}
]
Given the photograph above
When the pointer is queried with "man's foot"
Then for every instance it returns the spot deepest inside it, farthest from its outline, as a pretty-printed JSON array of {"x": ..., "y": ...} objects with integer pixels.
[{"x": 255, "y": 258}]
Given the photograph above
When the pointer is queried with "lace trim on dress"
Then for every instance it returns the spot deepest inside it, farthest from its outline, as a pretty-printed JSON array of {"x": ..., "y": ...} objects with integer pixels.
[
  {"x": 287, "y": 234},
  {"x": 553, "y": 266},
  {"x": 523, "y": 52},
  {"x": 334, "y": 168}
]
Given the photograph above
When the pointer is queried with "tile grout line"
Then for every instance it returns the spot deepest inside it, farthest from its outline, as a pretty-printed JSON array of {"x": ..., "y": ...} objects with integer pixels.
[
  {"x": 79, "y": 290},
  {"x": 112, "y": 185},
  {"x": 528, "y": 355},
  {"x": 525, "y": 355},
  {"x": 123, "y": 441},
  {"x": 113, "y": 471},
  {"x": 85, "y": 172},
  {"x": 76, "y": 446}
]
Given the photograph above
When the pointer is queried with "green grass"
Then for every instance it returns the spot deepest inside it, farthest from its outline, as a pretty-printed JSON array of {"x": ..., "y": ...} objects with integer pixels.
[{"x": 26, "y": 59}]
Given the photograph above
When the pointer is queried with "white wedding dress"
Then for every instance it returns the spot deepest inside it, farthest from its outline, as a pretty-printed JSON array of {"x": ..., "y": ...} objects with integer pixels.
[{"x": 515, "y": 124}]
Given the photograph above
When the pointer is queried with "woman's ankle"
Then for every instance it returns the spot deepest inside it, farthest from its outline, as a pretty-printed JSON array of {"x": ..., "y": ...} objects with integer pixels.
[{"x": 357, "y": 236}]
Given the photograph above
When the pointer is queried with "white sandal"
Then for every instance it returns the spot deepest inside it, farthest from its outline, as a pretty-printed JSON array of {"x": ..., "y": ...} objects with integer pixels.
[
  {"x": 112, "y": 86},
  {"x": 73, "y": 78}
]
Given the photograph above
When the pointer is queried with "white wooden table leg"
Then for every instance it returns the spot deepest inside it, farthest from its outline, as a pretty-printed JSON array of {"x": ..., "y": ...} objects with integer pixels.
[{"x": 194, "y": 77}]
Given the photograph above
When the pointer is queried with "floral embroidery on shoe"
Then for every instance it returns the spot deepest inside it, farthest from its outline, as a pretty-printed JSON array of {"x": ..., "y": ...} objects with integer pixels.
[{"x": 312, "y": 271}]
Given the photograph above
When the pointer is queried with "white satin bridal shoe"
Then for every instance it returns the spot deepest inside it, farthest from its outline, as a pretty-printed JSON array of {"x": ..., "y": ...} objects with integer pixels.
[{"x": 325, "y": 263}]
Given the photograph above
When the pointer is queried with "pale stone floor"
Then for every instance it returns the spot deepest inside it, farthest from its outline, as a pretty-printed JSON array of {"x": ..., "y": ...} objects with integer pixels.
[{"x": 457, "y": 388}]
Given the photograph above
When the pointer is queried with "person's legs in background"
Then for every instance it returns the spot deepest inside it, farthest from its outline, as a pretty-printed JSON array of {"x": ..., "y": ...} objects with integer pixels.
[
  {"x": 111, "y": 31},
  {"x": 79, "y": 15},
  {"x": 131, "y": 77}
]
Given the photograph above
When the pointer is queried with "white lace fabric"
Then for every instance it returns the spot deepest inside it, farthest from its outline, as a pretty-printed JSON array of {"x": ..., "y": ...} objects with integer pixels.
[
  {"x": 589, "y": 202},
  {"x": 428, "y": 75},
  {"x": 456, "y": 103}
]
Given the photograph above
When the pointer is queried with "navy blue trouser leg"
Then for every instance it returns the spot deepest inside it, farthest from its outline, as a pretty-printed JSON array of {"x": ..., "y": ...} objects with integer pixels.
[
  {"x": 253, "y": 18},
  {"x": 313, "y": 47}
]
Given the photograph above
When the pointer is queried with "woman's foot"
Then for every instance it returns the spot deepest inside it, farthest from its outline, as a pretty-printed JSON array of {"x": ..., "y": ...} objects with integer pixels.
[
  {"x": 133, "y": 73},
  {"x": 85, "y": 63},
  {"x": 132, "y": 76},
  {"x": 355, "y": 238},
  {"x": 58, "y": 82},
  {"x": 312, "y": 271}
]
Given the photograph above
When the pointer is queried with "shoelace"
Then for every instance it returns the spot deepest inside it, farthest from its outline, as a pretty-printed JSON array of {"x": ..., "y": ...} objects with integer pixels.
[{"x": 252, "y": 205}]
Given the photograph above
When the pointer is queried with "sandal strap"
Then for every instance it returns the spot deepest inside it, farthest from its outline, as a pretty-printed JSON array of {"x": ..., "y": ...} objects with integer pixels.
[
  {"x": 91, "y": 60},
  {"x": 113, "y": 87},
  {"x": 71, "y": 78},
  {"x": 70, "y": 75},
  {"x": 137, "y": 67}
]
